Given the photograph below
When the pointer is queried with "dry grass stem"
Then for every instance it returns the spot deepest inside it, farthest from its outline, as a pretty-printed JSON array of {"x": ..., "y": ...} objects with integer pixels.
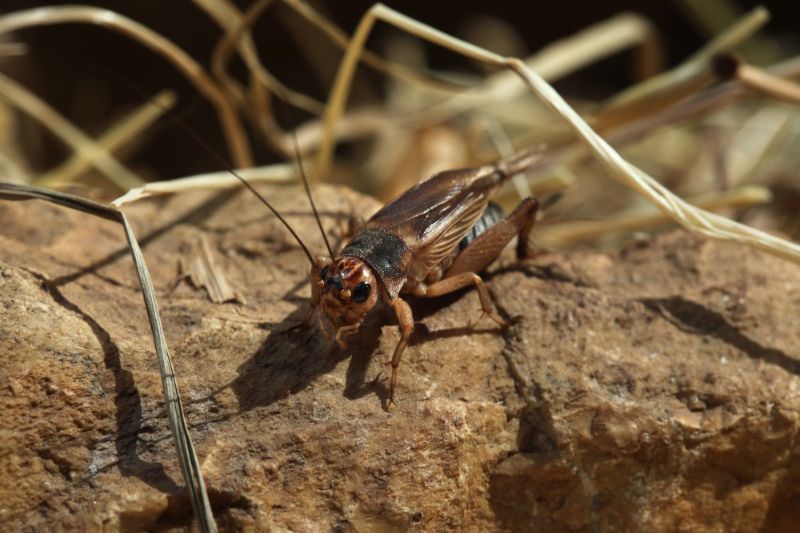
[
  {"x": 26, "y": 101},
  {"x": 120, "y": 134},
  {"x": 686, "y": 215},
  {"x": 575, "y": 231},
  {"x": 238, "y": 36},
  {"x": 607, "y": 38},
  {"x": 255, "y": 103},
  {"x": 279, "y": 173},
  {"x": 713, "y": 16},
  {"x": 557, "y": 60},
  {"x": 760, "y": 80},
  {"x": 686, "y": 78},
  {"x": 569, "y": 55},
  {"x": 187, "y": 457},
  {"x": 45, "y": 16},
  {"x": 340, "y": 38}
]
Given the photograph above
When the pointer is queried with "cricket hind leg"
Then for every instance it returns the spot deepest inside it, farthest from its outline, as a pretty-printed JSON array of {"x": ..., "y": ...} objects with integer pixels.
[
  {"x": 484, "y": 249},
  {"x": 459, "y": 281},
  {"x": 480, "y": 253},
  {"x": 476, "y": 256}
]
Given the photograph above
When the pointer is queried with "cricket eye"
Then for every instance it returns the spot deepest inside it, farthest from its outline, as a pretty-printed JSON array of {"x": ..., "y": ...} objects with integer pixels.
[
  {"x": 361, "y": 292},
  {"x": 323, "y": 272}
]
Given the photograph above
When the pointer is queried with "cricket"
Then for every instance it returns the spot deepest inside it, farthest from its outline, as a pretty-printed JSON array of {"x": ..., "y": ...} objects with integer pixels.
[
  {"x": 481, "y": 299},
  {"x": 430, "y": 241}
]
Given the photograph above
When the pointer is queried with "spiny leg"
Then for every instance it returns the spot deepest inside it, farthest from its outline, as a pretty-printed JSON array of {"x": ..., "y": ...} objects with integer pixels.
[
  {"x": 459, "y": 281},
  {"x": 406, "y": 320},
  {"x": 482, "y": 251}
]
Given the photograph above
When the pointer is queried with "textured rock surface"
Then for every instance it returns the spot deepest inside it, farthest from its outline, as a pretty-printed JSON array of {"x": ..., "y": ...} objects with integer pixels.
[{"x": 652, "y": 389}]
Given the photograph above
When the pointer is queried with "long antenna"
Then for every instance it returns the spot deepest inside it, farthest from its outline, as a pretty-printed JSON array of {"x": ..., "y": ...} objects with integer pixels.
[
  {"x": 298, "y": 157},
  {"x": 214, "y": 153},
  {"x": 247, "y": 184},
  {"x": 308, "y": 192}
]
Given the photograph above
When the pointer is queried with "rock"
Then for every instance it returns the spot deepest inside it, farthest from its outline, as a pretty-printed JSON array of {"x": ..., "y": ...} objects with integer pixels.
[{"x": 651, "y": 389}]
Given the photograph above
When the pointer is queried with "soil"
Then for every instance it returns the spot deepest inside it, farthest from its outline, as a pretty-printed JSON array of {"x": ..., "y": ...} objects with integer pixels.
[{"x": 654, "y": 388}]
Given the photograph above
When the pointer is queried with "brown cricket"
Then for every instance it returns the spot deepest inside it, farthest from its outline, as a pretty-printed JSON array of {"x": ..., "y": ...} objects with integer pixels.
[{"x": 432, "y": 240}]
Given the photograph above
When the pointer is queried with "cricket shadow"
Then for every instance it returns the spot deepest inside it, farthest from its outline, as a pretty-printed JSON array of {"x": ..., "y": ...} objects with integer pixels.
[
  {"x": 291, "y": 358},
  {"x": 697, "y": 319}
]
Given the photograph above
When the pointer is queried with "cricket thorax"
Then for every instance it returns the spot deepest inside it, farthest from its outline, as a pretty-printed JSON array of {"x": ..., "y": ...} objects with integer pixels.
[
  {"x": 348, "y": 290},
  {"x": 385, "y": 253}
]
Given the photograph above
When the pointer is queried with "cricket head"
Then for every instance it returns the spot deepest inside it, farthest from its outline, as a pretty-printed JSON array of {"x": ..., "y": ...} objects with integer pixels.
[{"x": 348, "y": 289}]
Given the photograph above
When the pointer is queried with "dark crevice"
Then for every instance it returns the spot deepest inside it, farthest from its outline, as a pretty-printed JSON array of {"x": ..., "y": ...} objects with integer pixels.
[{"x": 697, "y": 319}]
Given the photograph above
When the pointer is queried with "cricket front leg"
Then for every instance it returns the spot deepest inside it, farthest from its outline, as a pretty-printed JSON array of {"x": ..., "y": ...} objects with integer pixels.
[
  {"x": 346, "y": 331},
  {"x": 406, "y": 320}
]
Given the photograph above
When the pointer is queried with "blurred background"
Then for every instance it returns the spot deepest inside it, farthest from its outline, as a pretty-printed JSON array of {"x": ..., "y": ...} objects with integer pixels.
[{"x": 96, "y": 78}]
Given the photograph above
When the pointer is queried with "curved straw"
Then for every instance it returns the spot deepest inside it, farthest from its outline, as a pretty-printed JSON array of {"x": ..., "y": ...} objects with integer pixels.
[
  {"x": 46, "y": 16},
  {"x": 124, "y": 131},
  {"x": 340, "y": 38},
  {"x": 279, "y": 173},
  {"x": 187, "y": 457},
  {"x": 567, "y": 55},
  {"x": 686, "y": 215},
  {"x": 237, "y": 27},
  {"x": 82, "y": 144}
]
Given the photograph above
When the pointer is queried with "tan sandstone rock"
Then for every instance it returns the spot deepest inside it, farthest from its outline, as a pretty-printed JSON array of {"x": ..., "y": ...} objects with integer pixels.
[{"x": 654, "y": 389}]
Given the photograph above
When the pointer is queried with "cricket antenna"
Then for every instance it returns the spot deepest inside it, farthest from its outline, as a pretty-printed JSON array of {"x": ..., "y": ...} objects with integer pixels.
[
  {"x": 303, "y": 177},
  {"x": 308, "y": 191},
  {"x": 214, "y": 153},
  {"x": 199, "y": 140}
]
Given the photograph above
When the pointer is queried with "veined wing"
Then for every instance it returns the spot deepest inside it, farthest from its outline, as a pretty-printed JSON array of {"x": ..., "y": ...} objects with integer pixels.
[{"x": 433, "y": 216}]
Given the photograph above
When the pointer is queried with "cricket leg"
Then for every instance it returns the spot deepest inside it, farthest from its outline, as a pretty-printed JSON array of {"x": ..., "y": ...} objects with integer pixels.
[
  {"x": 406, "y": 320},
  {"x": 346, "y": 331},
  {"x": 459, "y": 281},
  {"x": 482, "y": 251}
]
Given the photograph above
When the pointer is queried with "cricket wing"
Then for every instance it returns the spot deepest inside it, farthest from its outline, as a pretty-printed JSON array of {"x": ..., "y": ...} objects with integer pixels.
[{"x": 433, "y": 216}]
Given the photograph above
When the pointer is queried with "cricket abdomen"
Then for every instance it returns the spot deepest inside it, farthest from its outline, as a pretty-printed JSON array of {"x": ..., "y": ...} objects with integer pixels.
[{"x": 491, "y": 216}]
